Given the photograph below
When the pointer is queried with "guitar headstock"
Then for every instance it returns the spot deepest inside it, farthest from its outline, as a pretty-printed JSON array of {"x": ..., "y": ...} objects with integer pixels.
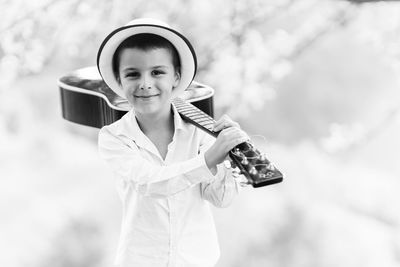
[{"x": 255, "y": 166}]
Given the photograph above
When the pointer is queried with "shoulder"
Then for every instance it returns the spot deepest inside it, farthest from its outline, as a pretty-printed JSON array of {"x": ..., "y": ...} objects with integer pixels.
[
  {"x": 110, "y": 130},
  {"x": 110, "y": 139},
  {"x": 120, "y": 126},
  {"x": 116, "y": 130},
  {"x": 107, "y": 135}
]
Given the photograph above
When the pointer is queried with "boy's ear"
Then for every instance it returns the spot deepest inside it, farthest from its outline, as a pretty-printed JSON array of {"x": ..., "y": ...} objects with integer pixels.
[
  {"x": 119, "y": 81},
  {"x": 177, "y": 79}
]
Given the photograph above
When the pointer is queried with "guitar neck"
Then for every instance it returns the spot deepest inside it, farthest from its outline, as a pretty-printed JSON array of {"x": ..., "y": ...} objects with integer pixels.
[{"x": 195, "y": 116}]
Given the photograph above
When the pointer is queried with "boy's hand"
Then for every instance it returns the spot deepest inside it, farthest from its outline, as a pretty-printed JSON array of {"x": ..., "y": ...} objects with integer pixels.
[{"x": 230, "y": 136}]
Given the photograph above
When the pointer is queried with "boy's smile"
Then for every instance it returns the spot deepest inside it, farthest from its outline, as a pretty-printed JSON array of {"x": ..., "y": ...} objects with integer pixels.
[
  {"x": 145, "y": 97},
  {"x": 147, "y": 78}
]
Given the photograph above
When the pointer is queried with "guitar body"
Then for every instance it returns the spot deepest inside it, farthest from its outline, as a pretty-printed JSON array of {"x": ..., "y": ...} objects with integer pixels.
[{"x": 87, "y": 100}]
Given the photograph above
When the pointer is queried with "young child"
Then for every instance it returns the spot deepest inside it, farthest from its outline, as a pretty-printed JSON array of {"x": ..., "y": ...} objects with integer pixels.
[{"x": 168, "y": 171}]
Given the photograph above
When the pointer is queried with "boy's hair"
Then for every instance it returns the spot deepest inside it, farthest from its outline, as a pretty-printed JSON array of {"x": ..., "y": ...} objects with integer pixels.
[{"x": 145, "y": 42}]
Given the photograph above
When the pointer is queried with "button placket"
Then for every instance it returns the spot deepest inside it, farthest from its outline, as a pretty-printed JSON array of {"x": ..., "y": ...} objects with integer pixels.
[{"x": 173, "y": 235}]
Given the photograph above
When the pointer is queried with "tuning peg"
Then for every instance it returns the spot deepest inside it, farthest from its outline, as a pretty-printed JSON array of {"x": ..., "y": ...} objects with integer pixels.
[
  {"x": 236, "y": 150},
  {"x": 271, "y": 167},
  {"x": 244, "y": 161},
  {"x": 263, "y": 157},
  {"x": 253, "y": 171}
]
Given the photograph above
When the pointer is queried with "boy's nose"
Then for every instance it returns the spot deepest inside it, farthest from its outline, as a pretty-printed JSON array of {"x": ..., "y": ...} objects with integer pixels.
[{"x": 145, "y": 83}]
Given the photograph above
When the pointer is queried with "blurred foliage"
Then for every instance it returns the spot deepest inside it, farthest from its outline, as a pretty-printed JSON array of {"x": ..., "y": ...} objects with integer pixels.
[
  {"x": 246, "y": 51},
  {"x": 78, "y": 245},
  {"x": 318, "y": 78}
]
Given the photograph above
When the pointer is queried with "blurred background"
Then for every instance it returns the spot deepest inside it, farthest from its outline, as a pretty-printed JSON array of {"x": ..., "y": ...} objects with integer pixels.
[{"x": 317, "y": 79}]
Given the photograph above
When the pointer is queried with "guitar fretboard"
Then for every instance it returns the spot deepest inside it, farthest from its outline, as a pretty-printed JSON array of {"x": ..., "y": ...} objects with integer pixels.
[{"x": 195, "y": 115}]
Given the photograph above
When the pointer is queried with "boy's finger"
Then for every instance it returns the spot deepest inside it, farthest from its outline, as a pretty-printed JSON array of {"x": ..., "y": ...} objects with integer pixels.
[
  {"x": 219, "y": 125},
  {"x": 223, "y": 124}
]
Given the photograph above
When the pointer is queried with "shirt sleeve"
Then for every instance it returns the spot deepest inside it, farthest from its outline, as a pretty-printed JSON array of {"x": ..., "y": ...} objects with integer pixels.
[
  {"x": 148, "y": 178},
  {"x": 224, "y": 188}
]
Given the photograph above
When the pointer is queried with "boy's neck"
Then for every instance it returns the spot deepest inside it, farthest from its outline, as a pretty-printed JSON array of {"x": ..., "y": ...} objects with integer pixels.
[{"x": 149, "y": 123}]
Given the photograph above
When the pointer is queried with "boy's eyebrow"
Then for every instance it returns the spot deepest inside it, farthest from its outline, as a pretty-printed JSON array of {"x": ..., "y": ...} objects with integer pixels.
[
  {"x": 160, "y": 66},
  {"x": 153, "y": 67},
  {"x": 129, "y": 68}
]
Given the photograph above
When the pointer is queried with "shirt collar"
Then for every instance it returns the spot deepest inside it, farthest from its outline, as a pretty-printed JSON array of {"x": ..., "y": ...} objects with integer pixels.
[{"x": 129, "y": 126}]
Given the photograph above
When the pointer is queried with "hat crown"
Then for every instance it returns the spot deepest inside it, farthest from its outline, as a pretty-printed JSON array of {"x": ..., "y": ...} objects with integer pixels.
[{"x": 147, "y": 21}]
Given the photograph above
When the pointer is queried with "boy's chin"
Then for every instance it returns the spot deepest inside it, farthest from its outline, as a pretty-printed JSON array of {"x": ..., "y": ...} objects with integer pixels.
[{"x": 150, "y": 110}]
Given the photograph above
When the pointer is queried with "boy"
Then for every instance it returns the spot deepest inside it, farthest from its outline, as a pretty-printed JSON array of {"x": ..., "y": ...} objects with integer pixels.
[{"x": 168, "y": 171}]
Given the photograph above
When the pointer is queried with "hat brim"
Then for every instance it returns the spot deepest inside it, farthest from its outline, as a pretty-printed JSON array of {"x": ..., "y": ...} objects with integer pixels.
[{"x": 113, "y": 40}]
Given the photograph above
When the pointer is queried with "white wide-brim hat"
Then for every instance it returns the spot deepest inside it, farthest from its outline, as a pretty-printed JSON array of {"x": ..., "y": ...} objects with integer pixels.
[{"x": 110, "y": 44}]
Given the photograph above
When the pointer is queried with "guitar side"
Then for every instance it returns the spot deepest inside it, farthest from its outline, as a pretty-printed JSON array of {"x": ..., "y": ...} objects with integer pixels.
[{"x": 88, "y": 109}]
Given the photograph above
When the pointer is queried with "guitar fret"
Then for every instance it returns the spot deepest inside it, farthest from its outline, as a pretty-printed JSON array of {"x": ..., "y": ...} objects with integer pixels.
[
  {"x": 206, "y": 124},
  {"x": 194, "y": 115},
  {"x": 200, "y": 118},
  {"x": 191, "y": 112},
  {"x": 200, "y": 121},
  {"x": 185, "y": 107}
]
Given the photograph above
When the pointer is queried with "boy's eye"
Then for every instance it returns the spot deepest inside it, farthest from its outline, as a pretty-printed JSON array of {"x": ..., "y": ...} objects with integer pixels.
[
  {"x": 157, "y": 72},
  {"x": 132, "y": 74}
]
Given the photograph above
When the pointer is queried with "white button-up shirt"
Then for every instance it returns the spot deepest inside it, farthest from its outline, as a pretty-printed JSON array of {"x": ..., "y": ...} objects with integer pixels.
[{"x": 167, "y": 219}]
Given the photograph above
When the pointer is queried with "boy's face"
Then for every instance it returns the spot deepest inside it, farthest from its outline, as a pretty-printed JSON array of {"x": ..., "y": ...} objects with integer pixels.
[{"x": 147, "y": 78}]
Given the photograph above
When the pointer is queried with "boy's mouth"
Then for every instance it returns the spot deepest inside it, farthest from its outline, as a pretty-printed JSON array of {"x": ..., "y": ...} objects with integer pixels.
[{"x": 145, "y": 96}]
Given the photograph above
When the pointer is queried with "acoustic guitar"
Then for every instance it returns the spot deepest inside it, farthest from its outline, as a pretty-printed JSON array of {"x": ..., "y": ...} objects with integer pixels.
[{"x": 87, "y": 100}]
